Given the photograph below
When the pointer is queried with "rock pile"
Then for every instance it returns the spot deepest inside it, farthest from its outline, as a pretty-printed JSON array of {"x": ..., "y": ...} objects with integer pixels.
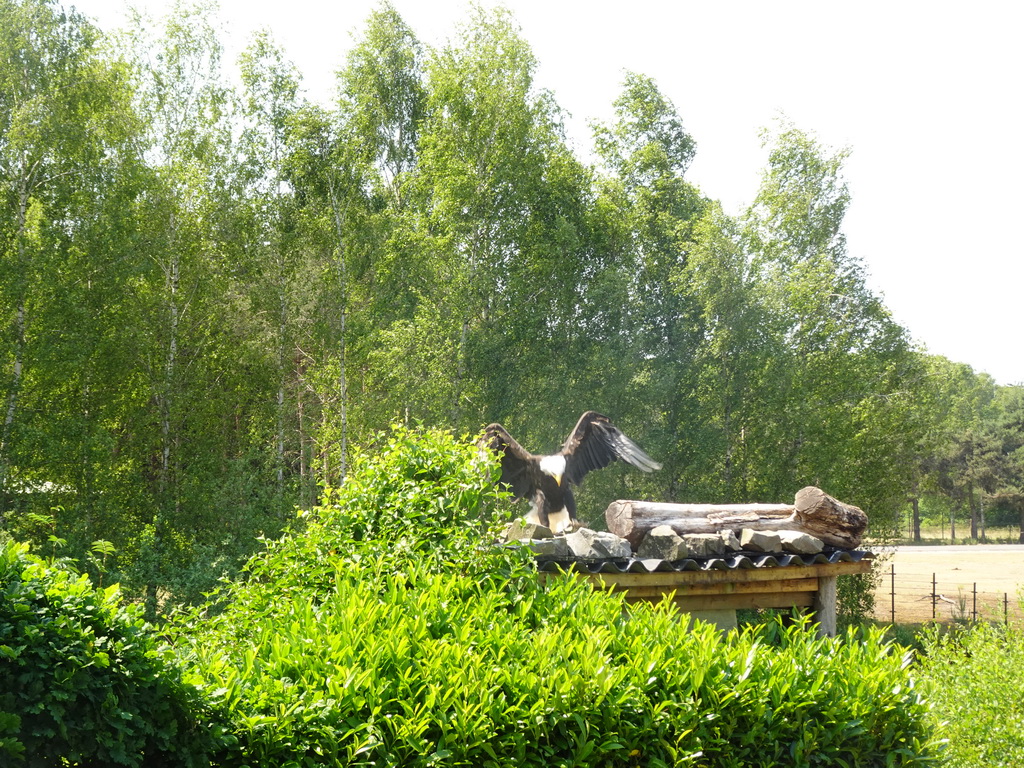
[{"x": 660, "y": 543}]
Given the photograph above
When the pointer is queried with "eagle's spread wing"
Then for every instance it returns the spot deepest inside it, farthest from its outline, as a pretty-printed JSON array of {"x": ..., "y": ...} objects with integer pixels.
[
  {"x": 515, "y": 460},
  {"x": 595, "y": 443}
]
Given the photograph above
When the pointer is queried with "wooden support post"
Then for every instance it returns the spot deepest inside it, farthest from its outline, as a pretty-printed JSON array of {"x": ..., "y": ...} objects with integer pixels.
[{"x": 825, "y": 605}]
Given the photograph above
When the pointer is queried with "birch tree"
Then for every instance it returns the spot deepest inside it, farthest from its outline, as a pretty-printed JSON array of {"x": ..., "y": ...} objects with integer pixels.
[
  {"x": 328, "y": 170},
  {"x": 501, "y": 199},
  {"x": 63, "y": 126},
  {"x": 645, "y": 153},
  {"x": 840, "y": 406},
  {"x": 183, "y": 100},
  {"x": 270, "y": 100}
]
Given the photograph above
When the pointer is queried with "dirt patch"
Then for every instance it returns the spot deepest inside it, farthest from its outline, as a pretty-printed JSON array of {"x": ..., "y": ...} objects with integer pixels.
[{"x": 969, "y": 582}]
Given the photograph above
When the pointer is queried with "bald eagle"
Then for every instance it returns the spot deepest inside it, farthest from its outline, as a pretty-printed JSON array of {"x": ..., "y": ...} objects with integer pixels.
[{"x": 547, "y": 480}]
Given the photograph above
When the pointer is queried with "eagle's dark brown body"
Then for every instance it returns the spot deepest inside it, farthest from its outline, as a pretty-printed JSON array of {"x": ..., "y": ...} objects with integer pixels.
[{"x": 547, "y": 480}]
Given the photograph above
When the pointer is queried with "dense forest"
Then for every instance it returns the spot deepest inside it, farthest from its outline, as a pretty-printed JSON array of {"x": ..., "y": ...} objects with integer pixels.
[{"x": 213, "y": 293}]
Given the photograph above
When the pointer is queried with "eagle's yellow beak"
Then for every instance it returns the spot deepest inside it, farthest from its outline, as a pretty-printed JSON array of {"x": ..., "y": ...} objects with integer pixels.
[{"x": 558, "y": 480}]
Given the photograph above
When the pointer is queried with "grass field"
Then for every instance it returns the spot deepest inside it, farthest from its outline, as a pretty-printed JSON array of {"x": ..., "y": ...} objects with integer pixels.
[
  {"x": 938, "y": 534},
  {"x": 977, "y": 580}
]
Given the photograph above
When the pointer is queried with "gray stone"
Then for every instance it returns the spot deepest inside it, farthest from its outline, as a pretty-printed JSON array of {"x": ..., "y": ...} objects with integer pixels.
[
  {"x": 662, "y": 543},
  {"x": 520, "y": 530},
  {"x": 732, "y": 543},
  {"x": 587, "y": 544},
  {"x": 800, "y": 543},
  {"x": 760, "y": 541},
  {"x": 704, "y": 544},
  {"x": 556, "y": 548}
]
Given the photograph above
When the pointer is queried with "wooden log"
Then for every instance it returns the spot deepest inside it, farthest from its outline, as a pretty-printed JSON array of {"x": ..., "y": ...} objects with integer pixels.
[
  {"x": 818, "y": 511},
  {"x": 654, "y": 509},
  {"x": 813, "y": 511}
]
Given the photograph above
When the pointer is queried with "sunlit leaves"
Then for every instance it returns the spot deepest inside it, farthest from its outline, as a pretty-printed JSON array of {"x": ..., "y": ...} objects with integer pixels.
[
  {"x": 388, "y": 632},
  {"x": 382, "y": 89},
  {"x": 970, "y": 674},
  {"x": 840, "y": 366},
  {"x": 647, "y": 143}
]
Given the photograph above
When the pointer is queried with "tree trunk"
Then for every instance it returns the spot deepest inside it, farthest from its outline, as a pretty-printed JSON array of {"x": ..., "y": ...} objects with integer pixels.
[
  {"x": 12, "y": 397},
  {"x": 342, "y": 381},
  {"x": 981, "y": 518},
  {"x": 305, "y": 443},
  {"x": 916, "y": 504},
  {"x": 282, "y": 354},
  {"x": 170, "y": 371},
  {"x": 973, "y": 509},
  {"x": 726, "y": 428},
  {"x": 814, "y": 512},
  {"x": 166, "y": 491},
  {"x": 19, "y": 349}
]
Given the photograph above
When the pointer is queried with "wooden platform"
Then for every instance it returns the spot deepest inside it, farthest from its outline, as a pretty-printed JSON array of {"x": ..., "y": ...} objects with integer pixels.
[{"x": 713, "y": 592}]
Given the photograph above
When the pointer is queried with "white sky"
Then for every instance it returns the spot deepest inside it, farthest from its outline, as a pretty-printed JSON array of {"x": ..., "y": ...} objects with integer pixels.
[{"x": 926, "y": 94}]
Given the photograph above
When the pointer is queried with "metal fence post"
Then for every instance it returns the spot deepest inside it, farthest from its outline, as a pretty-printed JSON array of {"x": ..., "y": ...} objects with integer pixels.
[
  {"x": 935, "y": 596},
  {"x": 892, "y": 593}
]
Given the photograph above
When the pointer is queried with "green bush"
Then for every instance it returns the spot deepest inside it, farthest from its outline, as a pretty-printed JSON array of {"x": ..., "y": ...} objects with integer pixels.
[
  {"x": 82, "y": 680},
  {"x": 973, "y": 678},
  {"x": 392, "y": 632}
]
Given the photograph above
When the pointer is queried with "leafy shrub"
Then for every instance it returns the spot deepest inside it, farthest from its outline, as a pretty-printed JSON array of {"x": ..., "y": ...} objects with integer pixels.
[
  {"x": 438, "y": 673},
  {"x": 392, "y": 632},
  {"x": 82, "y": 681},
  {"x": 425, "y": 499},
  {"x": 973, "y": 678}
]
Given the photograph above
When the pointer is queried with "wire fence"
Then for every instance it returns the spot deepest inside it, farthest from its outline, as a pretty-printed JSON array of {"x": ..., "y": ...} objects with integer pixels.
[{"x": 914, "y": 598}]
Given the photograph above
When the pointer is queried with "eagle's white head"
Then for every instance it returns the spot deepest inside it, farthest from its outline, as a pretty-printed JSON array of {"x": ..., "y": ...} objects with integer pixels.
[{"x": 554, "y": 466}]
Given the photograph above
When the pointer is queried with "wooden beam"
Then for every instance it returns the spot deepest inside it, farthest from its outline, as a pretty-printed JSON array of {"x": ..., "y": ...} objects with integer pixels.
[
  {"x": 723, "y": 588},
  {"x": 688, "y": 604},
  {"x": 728, "y": 575}
]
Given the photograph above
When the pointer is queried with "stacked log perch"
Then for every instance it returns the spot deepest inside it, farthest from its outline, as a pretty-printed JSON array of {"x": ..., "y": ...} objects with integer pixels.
[{"x": 813, "y": 511}]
